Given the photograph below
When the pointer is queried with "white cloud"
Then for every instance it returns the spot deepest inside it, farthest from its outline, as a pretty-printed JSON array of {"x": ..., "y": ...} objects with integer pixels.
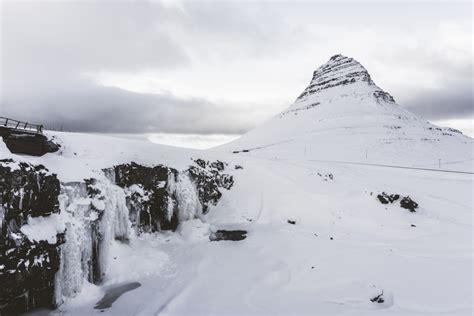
[{"x": 196, "y": 141}]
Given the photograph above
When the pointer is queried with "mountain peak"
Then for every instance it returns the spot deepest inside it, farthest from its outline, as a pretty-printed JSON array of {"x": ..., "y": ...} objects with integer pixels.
[{"x": 340, "y": 71}]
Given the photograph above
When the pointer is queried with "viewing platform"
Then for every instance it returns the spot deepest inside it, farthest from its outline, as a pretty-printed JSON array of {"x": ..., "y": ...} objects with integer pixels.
[{"x": 25, "y": 138}]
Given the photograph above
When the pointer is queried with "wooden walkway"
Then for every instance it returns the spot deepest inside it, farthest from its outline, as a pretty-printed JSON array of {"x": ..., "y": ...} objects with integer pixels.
[{"x": 19, "y": 126}]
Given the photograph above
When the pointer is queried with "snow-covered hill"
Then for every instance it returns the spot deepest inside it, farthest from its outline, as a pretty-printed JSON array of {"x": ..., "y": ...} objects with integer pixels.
[{"x": 307, "y": 187}]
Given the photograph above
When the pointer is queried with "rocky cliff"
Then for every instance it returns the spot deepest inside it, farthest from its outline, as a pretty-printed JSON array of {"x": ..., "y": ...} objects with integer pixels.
[
  {"x": 55, "y": 235},
  {"x": 29, "y": 252}
]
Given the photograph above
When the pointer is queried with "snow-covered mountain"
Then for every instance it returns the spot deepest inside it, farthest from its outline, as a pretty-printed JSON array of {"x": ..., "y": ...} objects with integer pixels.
[
  {"x": 343, "y": 115},
  {"x": 340, "y": 206}
]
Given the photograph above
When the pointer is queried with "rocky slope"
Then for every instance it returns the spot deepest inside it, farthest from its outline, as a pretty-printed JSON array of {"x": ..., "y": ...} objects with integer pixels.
[{"x": 342, "y": 71}]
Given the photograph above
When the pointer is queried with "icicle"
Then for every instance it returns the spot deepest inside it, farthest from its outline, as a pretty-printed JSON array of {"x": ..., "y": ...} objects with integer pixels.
[
  {"x": 92, "y": 224},
  {"x": 76, "y": 253},
  {"x": 187, "y": 197},
  {"x": 20, "y": 203}
]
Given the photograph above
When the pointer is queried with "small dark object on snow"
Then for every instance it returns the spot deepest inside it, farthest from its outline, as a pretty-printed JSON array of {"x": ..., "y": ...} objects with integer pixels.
[
  {"x": 245, "y": 151},
  {"x": 238, "y": 167},
  {"x": 406, "y": 202},
  {"x": 378, "y": 299},
  {"x": 291, "y": 222},
  {"x": 312, "y": 267},
  {"x": 234, "y": 235},
  {"x": 331, "y": 238},
  {"x": 236, "y": 152},
  {"x": 409, "y": 204},
  {"x": 385, "y": 198},
  {"x": 413, "y": 225}
]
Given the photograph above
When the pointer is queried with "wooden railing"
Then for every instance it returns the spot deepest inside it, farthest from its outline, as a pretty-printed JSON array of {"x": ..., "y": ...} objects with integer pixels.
[{"x": 21, "y": 126}]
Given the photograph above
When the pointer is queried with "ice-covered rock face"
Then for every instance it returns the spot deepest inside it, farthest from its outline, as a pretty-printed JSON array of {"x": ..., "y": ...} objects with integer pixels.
[
  {"x": 160, "y": 197},
  {"x": 31, "y": 234},
  {"x": 55, "y": 235},
  {"x": 342, "y": 71}
]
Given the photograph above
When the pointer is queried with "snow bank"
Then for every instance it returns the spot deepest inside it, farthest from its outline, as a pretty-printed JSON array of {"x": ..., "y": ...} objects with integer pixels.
[{"x": 44, "y": 228}]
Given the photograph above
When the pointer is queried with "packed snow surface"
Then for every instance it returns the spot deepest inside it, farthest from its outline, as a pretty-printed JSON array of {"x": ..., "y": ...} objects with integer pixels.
[
  {"x": 43, "y": 228},
  {"x": 319, "y": 241}
]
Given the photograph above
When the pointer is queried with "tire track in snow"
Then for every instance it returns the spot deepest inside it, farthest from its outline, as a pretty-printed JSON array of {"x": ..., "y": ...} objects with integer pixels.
[{"x": 391, "y": 166}]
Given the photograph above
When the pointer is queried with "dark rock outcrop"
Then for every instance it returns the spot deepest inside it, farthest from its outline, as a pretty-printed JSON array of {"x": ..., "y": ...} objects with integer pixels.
[
  {"x": 34, "y": 144},
  {"x": 408, "y": 204},
  {"x": 234, "y": 235},
  {"x": 381, "y": 95},
  {"x": 385, "y": 198},
  {"x": 341, "y": 71},
  {"x": 209, "y": 179},
  {"x": 326, "y": 177},
  {"x": 152, "y": 199},
  {"x": 378, "y": 299},
  {"x": 405, "y": 202},
  {"x": 153, "y": 207},
  {"x": 27, "y": 267}
]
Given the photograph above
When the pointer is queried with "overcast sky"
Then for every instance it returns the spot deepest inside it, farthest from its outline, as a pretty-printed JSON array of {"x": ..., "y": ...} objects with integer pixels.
[{"x": 222, "y": 68}]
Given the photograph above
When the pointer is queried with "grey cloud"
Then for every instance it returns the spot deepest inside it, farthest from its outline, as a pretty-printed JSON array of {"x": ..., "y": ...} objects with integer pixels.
[
  {"x": 113, "y": 110},
  {"x": 446, "y": 103},
  {"x": 46, "y": 45},
  {"x": 451, "y": 99},
  {"x": 48, "y": 48}
]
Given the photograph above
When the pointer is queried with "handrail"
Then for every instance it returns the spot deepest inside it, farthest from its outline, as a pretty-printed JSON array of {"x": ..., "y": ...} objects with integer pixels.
[{"x": 19, "y": 125}]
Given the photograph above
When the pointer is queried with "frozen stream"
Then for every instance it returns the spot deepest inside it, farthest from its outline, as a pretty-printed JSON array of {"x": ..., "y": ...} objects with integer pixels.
[{"x": 112, "y": 293}]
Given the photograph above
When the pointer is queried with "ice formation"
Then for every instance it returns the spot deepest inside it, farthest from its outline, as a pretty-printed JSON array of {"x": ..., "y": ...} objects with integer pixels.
[
  {"x": 98, "y": 211},
  {"x": 92, "y": 223}
]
